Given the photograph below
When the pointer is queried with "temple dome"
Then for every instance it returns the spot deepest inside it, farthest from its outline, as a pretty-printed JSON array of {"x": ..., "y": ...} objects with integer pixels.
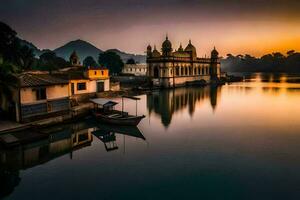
[
  {"x": 180, "y": 49},
  {"x": 191, "y": 48},
  {"x": 167, "y": 44},
  {"x": 167, "y": 47},
  {"x": 214, "y": 53},
  {"x": 149, "y": 47}
]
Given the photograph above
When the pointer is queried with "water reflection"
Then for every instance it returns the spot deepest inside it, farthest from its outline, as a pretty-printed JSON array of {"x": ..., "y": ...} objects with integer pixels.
[
  {"x": 167, "y": 102},
  {"x": 270, "y": 77},
  {"x": 60, "y": 140},
  {"x": 233, "y": 142},
  {"x": 107, "y": 134},
  {"x": 41, "y": 146}
]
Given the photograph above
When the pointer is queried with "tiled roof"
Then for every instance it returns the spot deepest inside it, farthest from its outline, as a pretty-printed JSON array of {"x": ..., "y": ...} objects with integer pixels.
[
  {"x": 97, "y": 67},
  {"x": 35, "y": 80},
  {"x": 72, "y": 75}
]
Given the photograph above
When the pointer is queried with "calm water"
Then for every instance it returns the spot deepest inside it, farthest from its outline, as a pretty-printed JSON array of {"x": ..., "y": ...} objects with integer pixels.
[{"x": 238, "y": 141}]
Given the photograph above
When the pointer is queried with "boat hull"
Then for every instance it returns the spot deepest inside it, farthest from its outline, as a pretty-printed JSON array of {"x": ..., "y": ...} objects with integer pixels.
[{"x": 131, "y": 121}]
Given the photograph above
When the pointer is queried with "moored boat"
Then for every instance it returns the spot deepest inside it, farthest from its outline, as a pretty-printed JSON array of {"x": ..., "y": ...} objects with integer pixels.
[{"x": 104, "y": 111}]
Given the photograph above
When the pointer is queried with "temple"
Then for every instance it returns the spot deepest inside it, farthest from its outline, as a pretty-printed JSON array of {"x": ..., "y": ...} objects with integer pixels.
[{"x": 170, "y": 68}]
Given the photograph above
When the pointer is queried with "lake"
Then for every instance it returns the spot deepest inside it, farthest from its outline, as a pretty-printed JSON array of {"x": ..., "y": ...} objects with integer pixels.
[{"x": 238, "y": 141}]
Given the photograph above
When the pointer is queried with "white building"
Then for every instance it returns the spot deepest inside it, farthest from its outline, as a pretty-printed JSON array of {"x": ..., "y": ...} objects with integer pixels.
[
  {"x": 135, "y": 69},
  {"x": 170, "y": 68}
]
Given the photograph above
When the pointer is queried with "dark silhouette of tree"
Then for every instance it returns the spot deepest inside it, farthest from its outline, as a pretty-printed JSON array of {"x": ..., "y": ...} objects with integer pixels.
[
  {"x": 8, "y": 42},
  {"x": 12, "y": 50},
  {"x": 290, "y": 52},
  {"x": 7, "y": 79},
  {"x": 49, "y": 61},
  {"x": 89, "y": 61},
  {"x": 112, "y": 61},
  {"x": 131, "y": 61},
  {"x": 25, "y": 58},
  {"x": 275, "y": 62}
]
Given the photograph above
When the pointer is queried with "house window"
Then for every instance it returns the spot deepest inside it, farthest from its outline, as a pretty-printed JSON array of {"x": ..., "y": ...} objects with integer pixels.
[
  {"x": 102, "y": 73},
  {"x": 95, "y": 72},
  {"x": 41, "y": 94},
  {"x": 81, "y": 86}
]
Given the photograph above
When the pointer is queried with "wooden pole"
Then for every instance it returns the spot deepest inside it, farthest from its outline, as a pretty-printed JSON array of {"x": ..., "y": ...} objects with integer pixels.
[
  {"x": 122, "y": 105},
  {"x": 135, "y": 107}
]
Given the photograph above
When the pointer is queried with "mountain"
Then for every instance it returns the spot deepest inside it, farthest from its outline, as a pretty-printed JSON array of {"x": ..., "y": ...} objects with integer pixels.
[
  {"x": 125, "y": 56},
  {"x": 82, "y": 48},
  {"x": 85, "y": 49}
]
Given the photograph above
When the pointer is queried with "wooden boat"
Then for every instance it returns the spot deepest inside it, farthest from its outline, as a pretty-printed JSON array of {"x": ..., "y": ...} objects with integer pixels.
[{"x": 104, "y": 112}]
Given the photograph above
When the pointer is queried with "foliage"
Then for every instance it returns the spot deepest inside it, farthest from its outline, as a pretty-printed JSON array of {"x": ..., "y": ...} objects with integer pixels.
[
  {"x": 50, "y": 62},
  {"x": 112, "y": 61},
  {"x": 89, "y": 61},
  {"x": 130, "y": 61},
  {"x": 275, "y": 62},
  {"x": 7, "y": 78},
  {"x": 8, "y": 42},
  {"x": 12, "y": 49},
  {"x": 25, "y": 58}
]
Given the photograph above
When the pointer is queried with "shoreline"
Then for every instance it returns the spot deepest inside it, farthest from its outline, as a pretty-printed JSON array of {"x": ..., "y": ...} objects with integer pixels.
[{"x": 83, "y": 110}]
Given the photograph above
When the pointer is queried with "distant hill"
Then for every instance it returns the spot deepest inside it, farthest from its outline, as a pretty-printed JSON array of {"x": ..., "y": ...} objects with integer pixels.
[
  {"x": 83, "y": 50},
  {"x": 125, "y": 56}
]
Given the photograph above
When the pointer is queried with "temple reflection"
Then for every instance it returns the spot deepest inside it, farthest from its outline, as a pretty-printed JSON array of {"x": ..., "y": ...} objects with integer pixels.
[{"x": 167, "y": 102}]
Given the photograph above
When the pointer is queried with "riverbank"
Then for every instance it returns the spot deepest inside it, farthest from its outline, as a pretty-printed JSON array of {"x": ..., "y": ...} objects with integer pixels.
[{"x": 84, "y": 108}]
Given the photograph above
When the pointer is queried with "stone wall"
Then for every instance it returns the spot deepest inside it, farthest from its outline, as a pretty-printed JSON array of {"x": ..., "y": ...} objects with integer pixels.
[{"x": 179, "y": 81}]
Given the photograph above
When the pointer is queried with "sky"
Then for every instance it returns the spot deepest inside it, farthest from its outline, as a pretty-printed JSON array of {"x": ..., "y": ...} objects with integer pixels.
[{"x": 255, "y": 27}]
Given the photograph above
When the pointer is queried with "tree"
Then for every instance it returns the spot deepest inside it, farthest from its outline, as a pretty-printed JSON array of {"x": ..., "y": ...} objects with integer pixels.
[
  {"x": 26, "y": 57},
  {"x": 290, "y": 52},
  {"x": 89, "y": 61},
  {"x": 278, "y": 55},
  {"x": 7, "y": 79},
  {"x": 112, "y": 61},
  {"x": 49, "y": 61},
  {"x": 8, "y": 42},
  {"x": 12, "y": 50},
  {"x": 131, "y": 61}
]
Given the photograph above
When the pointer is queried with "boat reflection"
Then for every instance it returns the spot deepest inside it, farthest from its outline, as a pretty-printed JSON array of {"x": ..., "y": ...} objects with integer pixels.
[
  {"x": 167, "y": 102},
  {"x": 107, "y": 134}
]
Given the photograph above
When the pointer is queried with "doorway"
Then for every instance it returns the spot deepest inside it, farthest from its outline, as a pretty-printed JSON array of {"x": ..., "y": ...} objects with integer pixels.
[
  {"x": 72, "y": 88},
  {"x": 100, "y": 86}
]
